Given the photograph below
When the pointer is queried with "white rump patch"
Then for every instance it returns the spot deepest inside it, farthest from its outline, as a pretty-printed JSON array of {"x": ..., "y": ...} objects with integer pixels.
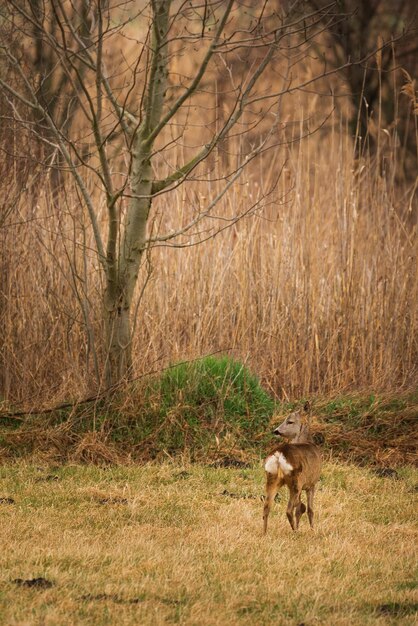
[
  {"x": 272, "y": 464},
  {"x": 276, "y": 461},
  {"x": 284, "y": 464}
]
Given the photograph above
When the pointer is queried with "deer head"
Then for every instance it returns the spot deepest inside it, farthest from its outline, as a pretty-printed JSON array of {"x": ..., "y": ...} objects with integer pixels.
[{"x": 296, "y": 426}]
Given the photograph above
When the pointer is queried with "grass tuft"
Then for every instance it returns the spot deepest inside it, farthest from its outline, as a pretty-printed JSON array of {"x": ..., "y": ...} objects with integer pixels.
[{"x": 210, "y": 405}]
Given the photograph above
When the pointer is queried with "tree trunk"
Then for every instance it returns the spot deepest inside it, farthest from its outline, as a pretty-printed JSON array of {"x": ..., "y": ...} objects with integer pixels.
[
  {"x": 118, "y": 343},
  {"x": 122, "y": 276}
]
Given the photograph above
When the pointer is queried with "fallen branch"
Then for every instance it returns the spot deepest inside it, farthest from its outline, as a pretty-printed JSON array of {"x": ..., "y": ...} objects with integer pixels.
[{"x": 19, "y": 415}]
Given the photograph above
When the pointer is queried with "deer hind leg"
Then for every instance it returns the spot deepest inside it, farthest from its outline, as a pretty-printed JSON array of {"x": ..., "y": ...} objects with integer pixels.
[
  {"x": 310, "y": 493},
  {"x": 300, "y": 510},
  {"x": 273, "y": 483},
  {"x": 291, "y": 505}
]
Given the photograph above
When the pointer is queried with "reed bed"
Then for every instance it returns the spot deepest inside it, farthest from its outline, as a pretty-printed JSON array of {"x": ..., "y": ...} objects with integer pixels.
[{"x": 315, "y": 289}]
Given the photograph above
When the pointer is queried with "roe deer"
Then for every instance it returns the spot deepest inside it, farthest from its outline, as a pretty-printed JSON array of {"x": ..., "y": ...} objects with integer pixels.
[{"x": 296, "y": 464}]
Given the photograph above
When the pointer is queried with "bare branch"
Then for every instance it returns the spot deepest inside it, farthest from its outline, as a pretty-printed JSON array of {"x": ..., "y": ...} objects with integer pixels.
[{"x": 198, "y": 77}]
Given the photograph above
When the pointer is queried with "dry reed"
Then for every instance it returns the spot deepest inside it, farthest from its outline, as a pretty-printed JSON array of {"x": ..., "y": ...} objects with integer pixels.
[{"x": 316, "y": 290}]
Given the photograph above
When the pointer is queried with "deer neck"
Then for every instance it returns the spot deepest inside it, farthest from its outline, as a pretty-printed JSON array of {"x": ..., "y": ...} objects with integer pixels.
[{"x": 303, "y": 436}]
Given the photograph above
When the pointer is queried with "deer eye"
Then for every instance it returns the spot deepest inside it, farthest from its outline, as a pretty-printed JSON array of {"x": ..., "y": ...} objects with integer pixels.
[{"x": 290, "y": 422}]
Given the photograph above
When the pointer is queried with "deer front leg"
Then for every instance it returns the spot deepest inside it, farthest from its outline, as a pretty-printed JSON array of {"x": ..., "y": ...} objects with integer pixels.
[
  {"x": 272, "y": 486},
  {"x": 300, "y": 510}
]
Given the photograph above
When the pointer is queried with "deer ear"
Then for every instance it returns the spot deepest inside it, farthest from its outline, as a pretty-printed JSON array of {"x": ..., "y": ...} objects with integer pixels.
[{"x": 307, "y": 407}]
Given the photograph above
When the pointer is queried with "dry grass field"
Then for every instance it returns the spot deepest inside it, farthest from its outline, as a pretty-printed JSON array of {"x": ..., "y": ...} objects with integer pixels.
[{"x": 173, "y": 543}]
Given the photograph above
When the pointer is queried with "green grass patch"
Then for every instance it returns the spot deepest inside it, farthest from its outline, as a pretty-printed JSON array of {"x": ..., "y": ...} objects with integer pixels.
[{"x": 192, "y": 402}]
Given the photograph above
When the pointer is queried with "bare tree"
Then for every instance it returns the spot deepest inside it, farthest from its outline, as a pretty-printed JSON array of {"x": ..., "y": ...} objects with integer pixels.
[
  {"x": 133, "y": 111},
  {"x": 390, "y": 27}
]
